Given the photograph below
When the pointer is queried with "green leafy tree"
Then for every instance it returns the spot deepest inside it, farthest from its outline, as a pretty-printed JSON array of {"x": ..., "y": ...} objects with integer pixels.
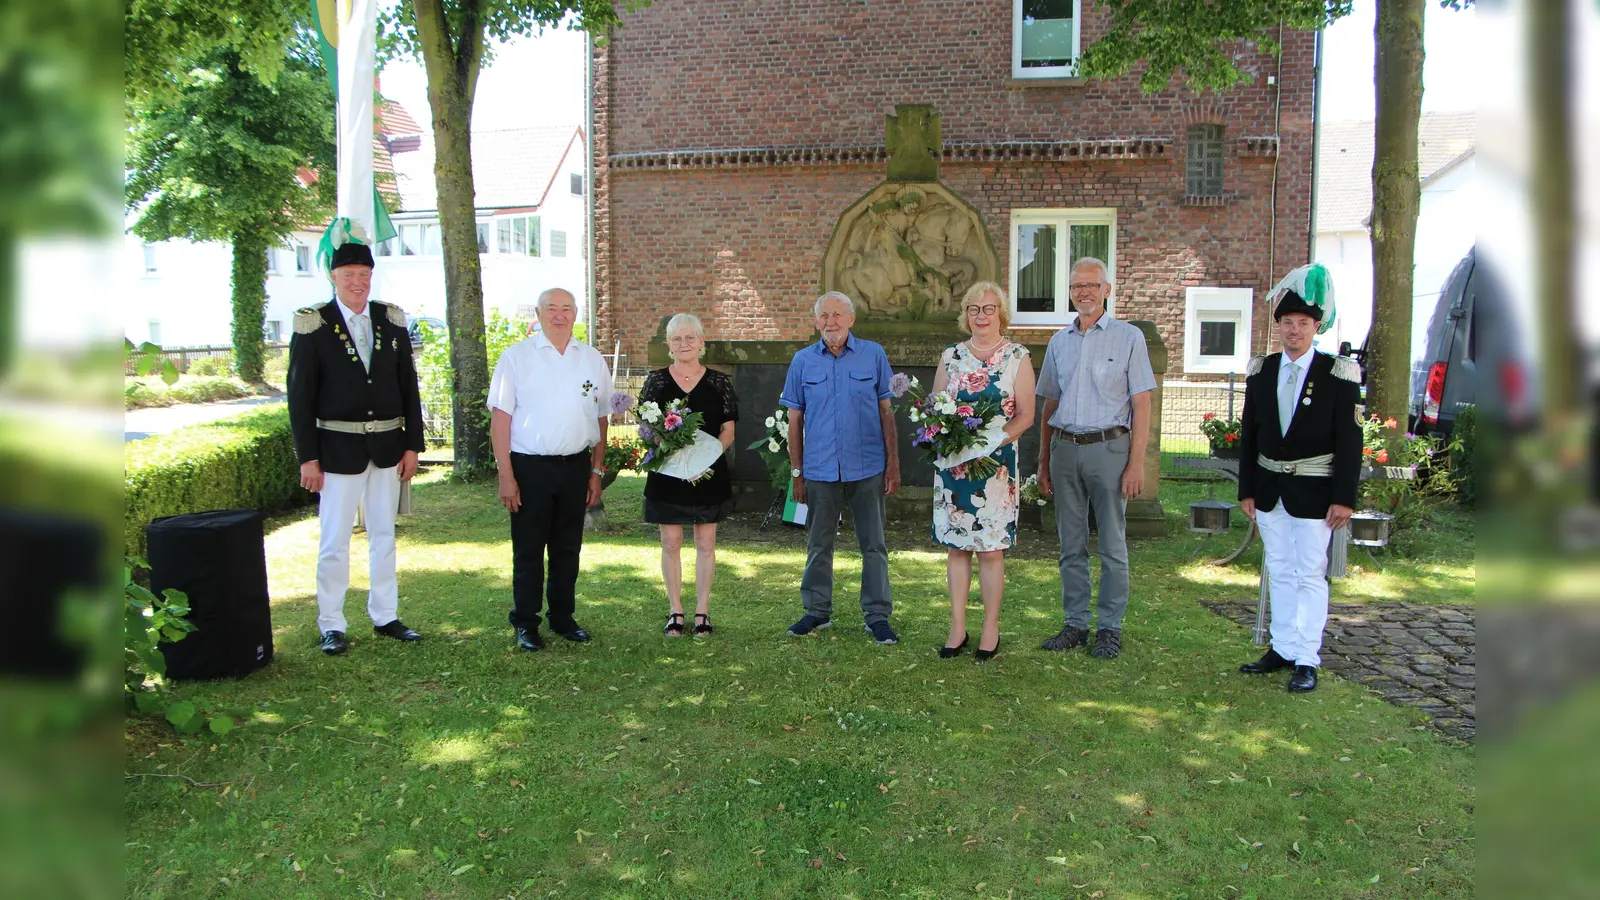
[
  {"x": 60, "y": 144},
  {"x": 1199, "y": 40},
  {"x": 220, "y": 158},
  {"x": 452, "y": 37}
]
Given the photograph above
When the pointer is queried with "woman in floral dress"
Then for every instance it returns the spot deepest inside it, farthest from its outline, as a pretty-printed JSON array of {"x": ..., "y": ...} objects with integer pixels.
[{"x": 980, "y": 516}]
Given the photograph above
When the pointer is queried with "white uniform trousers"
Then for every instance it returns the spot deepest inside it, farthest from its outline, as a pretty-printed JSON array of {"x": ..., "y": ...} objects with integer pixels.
[
  {"x": 1297, "y": 582},
  {"x": 342, "y": 495}
]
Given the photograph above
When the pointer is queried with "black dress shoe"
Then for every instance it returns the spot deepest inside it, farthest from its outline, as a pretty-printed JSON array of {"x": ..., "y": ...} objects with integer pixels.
[
  {"x": 397, "y": 630},
  {"x": 1269, "y": 662},
  {"x": 982, "y": 655},
  {"x": 572, "y": 633},
  {"x": 1304, "y": 680},
  {"x": 333, "y": 643},
  {"x": 528, "y": 639},
  {"x": 952, "y": 652}
]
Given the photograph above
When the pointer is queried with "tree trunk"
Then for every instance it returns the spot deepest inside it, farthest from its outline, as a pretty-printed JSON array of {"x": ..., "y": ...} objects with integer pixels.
[
  {"x": 1554, "y": 220},
  {"x": 249, "y": 304},
  {"x": 452, "y": 67},
  {"x": 1396, "y": 197}
]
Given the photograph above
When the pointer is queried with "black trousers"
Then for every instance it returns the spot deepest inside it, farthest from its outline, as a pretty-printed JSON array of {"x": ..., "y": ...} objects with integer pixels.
[{"x": 553, "y": 490}]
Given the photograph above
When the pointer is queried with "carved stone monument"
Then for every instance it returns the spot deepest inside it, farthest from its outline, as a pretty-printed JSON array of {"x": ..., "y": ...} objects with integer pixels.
[{"x": 910, "y": 247}]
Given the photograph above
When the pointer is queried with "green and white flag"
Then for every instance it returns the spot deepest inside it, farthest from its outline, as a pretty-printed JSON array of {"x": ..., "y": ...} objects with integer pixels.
[{"x": 347, "y": 31}]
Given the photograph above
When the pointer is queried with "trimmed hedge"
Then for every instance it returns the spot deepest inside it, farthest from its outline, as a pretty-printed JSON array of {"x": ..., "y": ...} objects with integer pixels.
[{"x": 246, "y": 462}]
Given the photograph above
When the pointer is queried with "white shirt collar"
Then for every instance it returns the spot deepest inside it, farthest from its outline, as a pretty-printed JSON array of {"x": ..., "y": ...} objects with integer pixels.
[
  {"x": 350, "y": 314},
  {"x": 1302, "y": 361}
]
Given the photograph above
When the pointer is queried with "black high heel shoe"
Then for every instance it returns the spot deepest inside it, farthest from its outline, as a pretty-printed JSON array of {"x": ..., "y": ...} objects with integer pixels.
[
  {"x": 952, "y": 652},
  {"x": 982, "y": 655}
]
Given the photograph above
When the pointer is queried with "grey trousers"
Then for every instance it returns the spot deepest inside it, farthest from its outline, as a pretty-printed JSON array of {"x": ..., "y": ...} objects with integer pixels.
[
  {"x": 824, "y": 500},
  {"x": 1084, "y": 477}
]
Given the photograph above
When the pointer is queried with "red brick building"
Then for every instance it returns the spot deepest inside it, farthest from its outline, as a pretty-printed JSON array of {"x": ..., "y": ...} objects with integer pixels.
[{"x": 730, "y": 135}]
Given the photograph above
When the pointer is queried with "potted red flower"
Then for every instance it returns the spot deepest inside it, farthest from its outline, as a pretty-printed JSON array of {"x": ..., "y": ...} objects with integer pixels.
[{"x": 1225, "y": 435}]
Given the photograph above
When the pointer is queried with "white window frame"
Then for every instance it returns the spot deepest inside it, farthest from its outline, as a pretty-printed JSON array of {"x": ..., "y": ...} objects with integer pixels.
[
  {"x": 575, "y": 183},
  {"x": 154, "y": 331},
  {"x": 555, "y": 248},
  {"x": 272, "y": 261},
  {"x": 1209, "y": 304},
  {"x": 272, "y": 331},
  {"x": 1062, "y": 220},
  {"x": 1017, "y": 70},
  {"x": 303, "y": 264},
  {"x": 148, "y": 251}
]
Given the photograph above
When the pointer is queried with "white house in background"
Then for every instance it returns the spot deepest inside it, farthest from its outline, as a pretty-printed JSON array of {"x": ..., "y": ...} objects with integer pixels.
[
  {"x": 532, "y": 226},
  {"x": 532, "y": 210},
  {"x": 1446, "y": 222}
]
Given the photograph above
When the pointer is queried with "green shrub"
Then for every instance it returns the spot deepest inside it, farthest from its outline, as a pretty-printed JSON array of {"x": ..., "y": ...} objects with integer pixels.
[
  {"x": 246, "y": 462},
  {"x": 137, "y": 394},
  {"x": 1464, "y": 456},
  {"x": 211, "y": 366},
  {"x": 204, "y": 389},
  {"x": 276, "y": 371}
]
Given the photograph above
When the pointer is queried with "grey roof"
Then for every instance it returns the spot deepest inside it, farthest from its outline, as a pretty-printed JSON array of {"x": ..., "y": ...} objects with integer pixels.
[
  {"x": 511, "y": 168},
  {"x": 1344, "y": 163}
]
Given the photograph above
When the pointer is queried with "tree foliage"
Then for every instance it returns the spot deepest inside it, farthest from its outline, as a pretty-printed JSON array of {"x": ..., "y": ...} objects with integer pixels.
[
  {"x": 219, "y": 158},
  {"x": 1199, "y": 38}
]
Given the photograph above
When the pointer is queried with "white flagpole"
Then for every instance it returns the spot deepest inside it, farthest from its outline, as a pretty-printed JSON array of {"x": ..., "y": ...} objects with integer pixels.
[{"x": 358, "y": 35}]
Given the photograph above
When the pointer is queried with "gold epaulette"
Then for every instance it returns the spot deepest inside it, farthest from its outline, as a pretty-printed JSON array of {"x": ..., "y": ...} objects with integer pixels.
[
  {"x": 1347, "y": 368},
  {"x": 308, "y": 319},
  {"x": 1253, "y": 367}
]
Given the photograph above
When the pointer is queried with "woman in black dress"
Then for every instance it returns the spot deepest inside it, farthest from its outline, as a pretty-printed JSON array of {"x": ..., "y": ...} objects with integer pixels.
[{"x": 672, "y": 502}]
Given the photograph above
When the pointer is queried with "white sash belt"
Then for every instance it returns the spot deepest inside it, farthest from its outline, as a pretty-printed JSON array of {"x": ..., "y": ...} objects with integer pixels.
[{"x": 1311, "y": 466}]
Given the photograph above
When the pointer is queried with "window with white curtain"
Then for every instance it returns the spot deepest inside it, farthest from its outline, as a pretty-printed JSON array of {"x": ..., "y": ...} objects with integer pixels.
[
  {"x": 1045, "y": 243},
  {"x": 1044, "y": 38}
]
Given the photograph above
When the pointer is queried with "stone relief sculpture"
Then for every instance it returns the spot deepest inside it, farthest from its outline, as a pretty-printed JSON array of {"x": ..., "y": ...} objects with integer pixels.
[{"x": 911, "y": 247}]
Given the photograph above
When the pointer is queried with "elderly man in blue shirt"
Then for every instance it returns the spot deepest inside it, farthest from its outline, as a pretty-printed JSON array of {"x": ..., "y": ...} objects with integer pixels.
[
  {"x": 842, "y": 449},
  {"x": 1096, "y": 382}
]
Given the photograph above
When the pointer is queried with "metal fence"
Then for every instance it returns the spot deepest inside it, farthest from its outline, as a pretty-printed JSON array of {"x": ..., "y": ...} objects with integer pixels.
[
  {"x": 184, "y": 357},
  {"x": 1184, "y": 405}
]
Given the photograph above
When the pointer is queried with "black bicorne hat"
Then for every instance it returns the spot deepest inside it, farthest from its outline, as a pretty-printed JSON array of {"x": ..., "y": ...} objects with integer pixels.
[
  {"x": 351, "y": 253},
  {"x": 1291, "y": 302}
]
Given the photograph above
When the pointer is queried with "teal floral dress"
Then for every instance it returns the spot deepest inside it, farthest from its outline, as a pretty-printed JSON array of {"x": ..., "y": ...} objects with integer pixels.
[{"x": 969, "y": 514}]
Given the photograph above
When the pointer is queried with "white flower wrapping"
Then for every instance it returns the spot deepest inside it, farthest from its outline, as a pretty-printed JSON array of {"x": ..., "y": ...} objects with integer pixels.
[
  {"x": 692, "y": 462},
  {"x": 994, "y": 434}
]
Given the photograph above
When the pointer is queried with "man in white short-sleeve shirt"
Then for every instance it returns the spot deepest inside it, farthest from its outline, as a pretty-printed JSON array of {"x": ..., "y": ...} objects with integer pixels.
[{"x": 549, "y": 399}]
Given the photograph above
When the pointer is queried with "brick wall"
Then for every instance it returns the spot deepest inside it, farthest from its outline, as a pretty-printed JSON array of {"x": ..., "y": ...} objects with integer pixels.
[{"x": 741, "y": 243}]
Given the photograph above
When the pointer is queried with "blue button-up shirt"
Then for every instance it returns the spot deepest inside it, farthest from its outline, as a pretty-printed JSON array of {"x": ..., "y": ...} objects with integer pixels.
[
  {"x": 838, "y": 396},
  {"x": 1093, "y": 376}
]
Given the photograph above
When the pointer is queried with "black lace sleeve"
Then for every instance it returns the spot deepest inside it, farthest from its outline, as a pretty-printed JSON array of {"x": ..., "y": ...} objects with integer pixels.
[
  {"x": 730, "y": 400},
  {"x": 655, "y": 387}
]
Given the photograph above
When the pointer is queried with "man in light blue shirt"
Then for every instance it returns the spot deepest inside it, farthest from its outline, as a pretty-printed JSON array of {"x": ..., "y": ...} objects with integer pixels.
[
  {"x": 1096, "y": 382},
  {"x": 842, "y": 449}
]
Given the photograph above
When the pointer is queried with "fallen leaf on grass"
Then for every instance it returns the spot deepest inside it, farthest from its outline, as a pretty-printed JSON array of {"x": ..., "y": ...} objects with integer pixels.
[
  {"x": 583, "y": 834},
  {"x": 461, "y": 870},
  {"x": 1058, "y": 860}
]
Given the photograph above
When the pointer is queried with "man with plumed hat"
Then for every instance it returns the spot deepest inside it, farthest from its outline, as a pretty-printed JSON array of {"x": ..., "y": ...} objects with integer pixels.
[
  {"x": 1299, "y": 468},
  {"x": 356, "y": 415}
]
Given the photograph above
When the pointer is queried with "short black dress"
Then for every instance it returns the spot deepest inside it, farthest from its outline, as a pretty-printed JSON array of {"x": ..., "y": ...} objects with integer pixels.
[{"x": 673, "y": 501}]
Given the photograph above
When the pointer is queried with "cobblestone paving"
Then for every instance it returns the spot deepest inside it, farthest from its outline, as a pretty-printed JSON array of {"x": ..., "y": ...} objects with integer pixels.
[{"x": 1411, "y": 654}]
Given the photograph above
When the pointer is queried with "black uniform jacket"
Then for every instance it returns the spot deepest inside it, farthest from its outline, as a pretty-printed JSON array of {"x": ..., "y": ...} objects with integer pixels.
[
  {"x": 1328, "y": 423},
  {"x": 327, "y": 381}
]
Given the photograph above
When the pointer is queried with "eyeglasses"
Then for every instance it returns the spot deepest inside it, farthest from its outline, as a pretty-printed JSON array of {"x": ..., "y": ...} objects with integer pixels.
[
  {"x": 989, "y": 310},
  {"x": 1085, "y": 287}
]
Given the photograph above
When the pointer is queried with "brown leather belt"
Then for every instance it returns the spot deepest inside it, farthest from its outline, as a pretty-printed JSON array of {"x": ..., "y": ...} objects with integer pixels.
[{"x": 1092, "y": 437}]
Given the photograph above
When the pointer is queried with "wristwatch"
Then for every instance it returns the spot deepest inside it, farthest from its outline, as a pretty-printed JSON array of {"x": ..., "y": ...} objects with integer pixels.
[
  {"x": 794, "y": 473},
  {"x": 600, "y": 472}
]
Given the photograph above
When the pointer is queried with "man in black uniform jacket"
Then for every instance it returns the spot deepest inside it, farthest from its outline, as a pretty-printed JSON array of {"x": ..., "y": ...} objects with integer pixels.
[
  {"x": 356, "y": 416},
  {"x": 1299, "y": 467}
]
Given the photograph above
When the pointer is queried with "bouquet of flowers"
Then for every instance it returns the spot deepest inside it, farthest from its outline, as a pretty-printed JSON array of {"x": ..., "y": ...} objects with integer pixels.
[
  {"x": 674, "y": 443},
  {"x": 959, "y": 435},
  {"x": 1029, "y": 492},
  {"x": 774, "y": 448},
  {"x": 1224, "y": 434}
]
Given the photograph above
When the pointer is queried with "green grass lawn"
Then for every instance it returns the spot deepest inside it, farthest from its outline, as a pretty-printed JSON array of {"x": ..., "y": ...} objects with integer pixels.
[{"x": 751, "y": 764}]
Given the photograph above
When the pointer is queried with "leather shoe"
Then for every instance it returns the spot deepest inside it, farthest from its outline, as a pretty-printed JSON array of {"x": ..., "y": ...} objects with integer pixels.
[
  {"x": 397, "y": 630},
  {"x": 528, "y": 639},
  {"x": 333, "y": 643},
  {"x": 953, "y": 652},
  {"x": 1304, "y": 680},
  {"x": 1270, "y": 661},
  {"x": 572, "y": 633}
]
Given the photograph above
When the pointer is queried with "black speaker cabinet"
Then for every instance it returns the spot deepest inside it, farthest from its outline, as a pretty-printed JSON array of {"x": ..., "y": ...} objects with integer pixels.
[
  {"x": 218, "y": 559},
  {"x": 42, "y": 558}
]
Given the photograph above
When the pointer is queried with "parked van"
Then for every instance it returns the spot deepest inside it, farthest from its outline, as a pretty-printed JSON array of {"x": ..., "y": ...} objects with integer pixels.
[{"x": 1474, "y": 355}]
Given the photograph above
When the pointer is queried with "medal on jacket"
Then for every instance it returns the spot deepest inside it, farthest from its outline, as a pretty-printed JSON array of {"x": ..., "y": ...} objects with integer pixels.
[{"x": 1306, "y": 400}]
